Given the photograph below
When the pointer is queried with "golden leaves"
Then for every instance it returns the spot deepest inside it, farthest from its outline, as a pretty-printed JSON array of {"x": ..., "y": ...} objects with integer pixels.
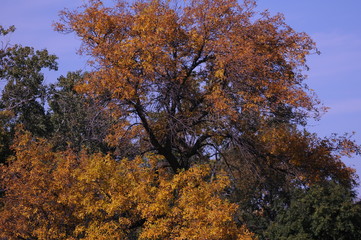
[
  {"x": 157, "y": 40},
  {"x": 59, "y": 195},
  {"x": 180, "y": 71}
]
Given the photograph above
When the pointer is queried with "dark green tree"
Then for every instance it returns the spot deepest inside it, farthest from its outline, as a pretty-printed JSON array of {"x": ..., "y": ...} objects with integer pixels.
[
  {"x": 322, "y": 212},
  {"x": 24, "y": 93},
  {"x": 23, "y": 97},
  {"x": 77, "y": 119}
]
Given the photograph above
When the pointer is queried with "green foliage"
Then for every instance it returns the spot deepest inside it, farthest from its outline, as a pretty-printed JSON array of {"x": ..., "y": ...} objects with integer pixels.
[
  {"x": 322, "y": 212},
  {"x": 4, "y": 32},
  {"x": 24, "y": 93},
  {"x": 285, "y": 157},
  {"x": 77, "y": 120},
  {"x": 5, "y": 136},
  {"x": 23, "y": 97}
]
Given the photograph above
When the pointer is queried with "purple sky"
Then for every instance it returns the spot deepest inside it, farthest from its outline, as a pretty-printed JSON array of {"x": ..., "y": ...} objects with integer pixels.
[{"x": 335, "y": 75}]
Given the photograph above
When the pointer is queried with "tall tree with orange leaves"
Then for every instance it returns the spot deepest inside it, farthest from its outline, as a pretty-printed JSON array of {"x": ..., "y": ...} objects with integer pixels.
[
  {"x": 207, "y": 98},
  {"x": 194, "y": 80},
  {"x": 189, "y": 79},
  {"x": 210, "y": 81}
]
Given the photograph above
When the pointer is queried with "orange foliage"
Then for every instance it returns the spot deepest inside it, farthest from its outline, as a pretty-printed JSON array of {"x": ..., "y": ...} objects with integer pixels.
[
  {"x": 187, "y": 72},
  {"x": 186, "y": 82},
  {"x": 58, "y": 195},
  {"x": 308, "y": 157}
]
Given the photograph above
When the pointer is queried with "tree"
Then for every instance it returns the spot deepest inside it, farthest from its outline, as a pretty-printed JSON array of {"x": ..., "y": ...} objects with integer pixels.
[
  {"x": 211, "y": 81},
  {"x": 294, "y": 159},
  {"x": 203, "y": 105},
  {"x": 24, "y": 92},
  {"x": 78, "y": 121},
  {"x": 190, "y": 80},
  {"x": 5, "y": 136},
  {"x": 63, "y": 195},
  {"x": 324, "y": 212},
  {"x": 23, "y": 97}
]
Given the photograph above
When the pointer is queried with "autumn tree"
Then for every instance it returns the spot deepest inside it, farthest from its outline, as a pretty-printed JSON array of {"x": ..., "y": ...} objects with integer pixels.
[
  {"x": 203, "y": 105},
  {"x": 210, "y": 81},
  {"x": 64, "y": 195},
  {"x": 191, "y": 79}
]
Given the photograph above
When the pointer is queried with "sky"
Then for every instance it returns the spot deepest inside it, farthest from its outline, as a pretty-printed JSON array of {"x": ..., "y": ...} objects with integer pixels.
[{"x": 334, "y": 25}]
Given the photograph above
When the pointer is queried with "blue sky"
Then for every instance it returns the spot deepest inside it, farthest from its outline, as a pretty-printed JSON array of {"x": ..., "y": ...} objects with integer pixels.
[{"x": 335, "y": 75}]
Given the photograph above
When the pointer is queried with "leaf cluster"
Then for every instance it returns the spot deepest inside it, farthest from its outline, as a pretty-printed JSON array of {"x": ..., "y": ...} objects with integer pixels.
[{"x": 63, "y": 195}]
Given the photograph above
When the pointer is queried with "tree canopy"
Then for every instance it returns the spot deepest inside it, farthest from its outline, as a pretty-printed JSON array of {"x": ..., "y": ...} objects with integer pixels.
[
  {"x": 191, "y": 124},
  {"x": 321, "y": 212},
  {"x": 59, "y": 195},
  {"x": 190, "y": 79}
]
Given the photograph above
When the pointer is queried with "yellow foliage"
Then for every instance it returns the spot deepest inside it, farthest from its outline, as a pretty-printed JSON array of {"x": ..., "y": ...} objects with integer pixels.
[{"x": 60, "y": 195}]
